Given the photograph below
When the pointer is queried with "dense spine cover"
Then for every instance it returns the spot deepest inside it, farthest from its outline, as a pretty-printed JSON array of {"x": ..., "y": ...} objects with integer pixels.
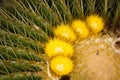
[{"x": 27, "y": 25}]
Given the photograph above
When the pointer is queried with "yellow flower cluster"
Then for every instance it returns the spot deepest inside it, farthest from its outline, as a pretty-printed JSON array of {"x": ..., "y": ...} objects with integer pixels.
[
  {"x": 60, "y": 53},
  {"x": 65, "y": 32},
  {"x": 57, "y": 47},
  {"x": 60, "y": 48}
]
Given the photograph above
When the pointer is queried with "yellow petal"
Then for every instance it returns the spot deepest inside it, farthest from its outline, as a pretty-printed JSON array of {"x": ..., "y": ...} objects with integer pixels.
[
  {"x": 65, "y": 32},
  {"x": 61, "y": 65},
  {"x": 95, "y": 23},
  {"x": 80, "y": 28},
  {"x": 58, "y": 47}
]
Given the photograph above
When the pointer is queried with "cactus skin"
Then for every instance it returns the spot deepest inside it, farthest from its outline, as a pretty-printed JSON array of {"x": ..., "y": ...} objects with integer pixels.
[
  {"x": 97, "y": 61},
  {"x": 22, "y": 38},
  {"x": 26, "y": 25}
]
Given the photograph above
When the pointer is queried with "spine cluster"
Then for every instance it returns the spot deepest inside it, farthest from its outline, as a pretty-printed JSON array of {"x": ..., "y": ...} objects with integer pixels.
[{"x": 60, "y": 49}]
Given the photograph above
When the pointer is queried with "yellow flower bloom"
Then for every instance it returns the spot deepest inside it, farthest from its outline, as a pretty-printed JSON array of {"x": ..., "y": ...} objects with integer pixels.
[
  {"x": 80, "y": 28},
  {"x": 61, "y": 65},
  {"x": 95, "y": 23},
  {"x": 65, "y": 32},
  {"x": 57, "y": 47}
]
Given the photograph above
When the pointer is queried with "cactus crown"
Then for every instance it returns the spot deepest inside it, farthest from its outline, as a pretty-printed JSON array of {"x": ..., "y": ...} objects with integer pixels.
[{"x": 26, "y": 25}]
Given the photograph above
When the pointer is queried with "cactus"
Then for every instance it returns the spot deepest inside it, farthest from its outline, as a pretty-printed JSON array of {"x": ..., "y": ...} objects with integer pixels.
[{"x": 27, "y": 25}]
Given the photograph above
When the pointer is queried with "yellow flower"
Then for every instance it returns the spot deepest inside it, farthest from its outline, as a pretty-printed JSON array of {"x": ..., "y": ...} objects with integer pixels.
[
  {"x": 57, "y": 47},
  {"x": 61, "y": 65},
  {"x": 95, "y": 23},
  {"x": 65, "y": 32},
  {"x": 80, "y": 28}
]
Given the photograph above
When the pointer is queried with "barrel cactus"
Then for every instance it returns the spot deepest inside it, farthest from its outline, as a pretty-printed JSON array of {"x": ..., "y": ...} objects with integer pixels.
[{"x": 27, "y": 26}]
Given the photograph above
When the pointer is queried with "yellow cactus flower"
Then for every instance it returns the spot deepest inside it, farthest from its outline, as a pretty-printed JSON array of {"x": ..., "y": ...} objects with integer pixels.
[
  {"x": 95, "y": 23},
  {"x": 58, "y": 47},
  {"x": 61, "y": 65},
  {"x": 80, "y": 28},
  {"x": 65, "y": 32}
]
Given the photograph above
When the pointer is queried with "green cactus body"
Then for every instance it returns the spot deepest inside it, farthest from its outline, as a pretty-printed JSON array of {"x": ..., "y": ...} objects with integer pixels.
[{"x": 27, "y": 25}]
